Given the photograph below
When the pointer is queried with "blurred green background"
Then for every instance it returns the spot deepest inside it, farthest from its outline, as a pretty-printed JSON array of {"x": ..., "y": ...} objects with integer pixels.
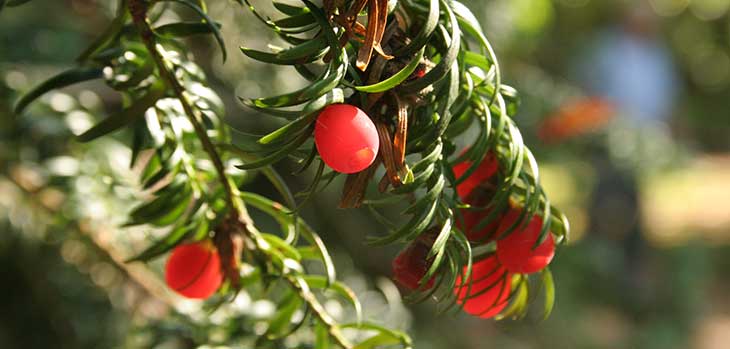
[{"x": 646, "y": 185}]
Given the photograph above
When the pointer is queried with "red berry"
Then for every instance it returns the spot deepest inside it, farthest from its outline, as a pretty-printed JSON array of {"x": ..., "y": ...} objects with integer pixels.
[
  {"x": 515, "y": 251},
  {"x": 490, "y": 289},
  {"x": 487, "y": 168},
  {"x": 472, "y": 191},
  {"x": 346, "y": 138},
  {"x": 471, "y": 219},
  {"x": 411, "y": 265},
  {"x": 194, "y": 270},
  {"x": 420, "y": 72}
]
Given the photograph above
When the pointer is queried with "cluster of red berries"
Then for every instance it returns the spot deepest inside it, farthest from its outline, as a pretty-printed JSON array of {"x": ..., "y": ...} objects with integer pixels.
[
  {"x": 487, "y": 290},
  {"x": 347, "y": 141}
]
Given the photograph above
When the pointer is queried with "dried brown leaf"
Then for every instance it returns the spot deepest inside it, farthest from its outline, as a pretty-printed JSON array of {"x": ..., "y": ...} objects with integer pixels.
[
  {"x": 228, "y": 239},
  {"x": 401, "y": 134},
  {"x": 366, "y": 50},
  {"x": 387, "y": 153},
  {"x": 355, "y": 185},
  {"x": 356, "y": 8}
]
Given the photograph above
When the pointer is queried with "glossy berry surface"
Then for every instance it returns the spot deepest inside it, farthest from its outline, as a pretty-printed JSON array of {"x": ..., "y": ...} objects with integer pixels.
[
  {"x": 516, "y": 251},
  {"x": 490, "y": 289},
  {"x": 194, "y": 270},
  {"x": 487, "y": 168},
  {"x": 346, "y": 138},
  {"x": 411, "y": 265}
]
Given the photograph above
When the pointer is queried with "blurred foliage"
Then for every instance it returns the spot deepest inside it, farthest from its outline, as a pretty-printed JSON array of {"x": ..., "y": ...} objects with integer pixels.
[{"x": 540, "y": 48}]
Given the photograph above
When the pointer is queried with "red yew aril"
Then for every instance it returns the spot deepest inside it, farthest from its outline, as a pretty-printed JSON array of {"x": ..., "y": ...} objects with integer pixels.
[
  {"x": 473, "y": 191},
  {"x": 346, "y": 138},
  {"x": 516, "y": 252},
  {"x": 411, "y": 265},
  {"x": 471, "y": 221},
  {"x": 487, "y": 168},
  {"x": 194, "y": 270},
  {"x": 490, "y": 289}
]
